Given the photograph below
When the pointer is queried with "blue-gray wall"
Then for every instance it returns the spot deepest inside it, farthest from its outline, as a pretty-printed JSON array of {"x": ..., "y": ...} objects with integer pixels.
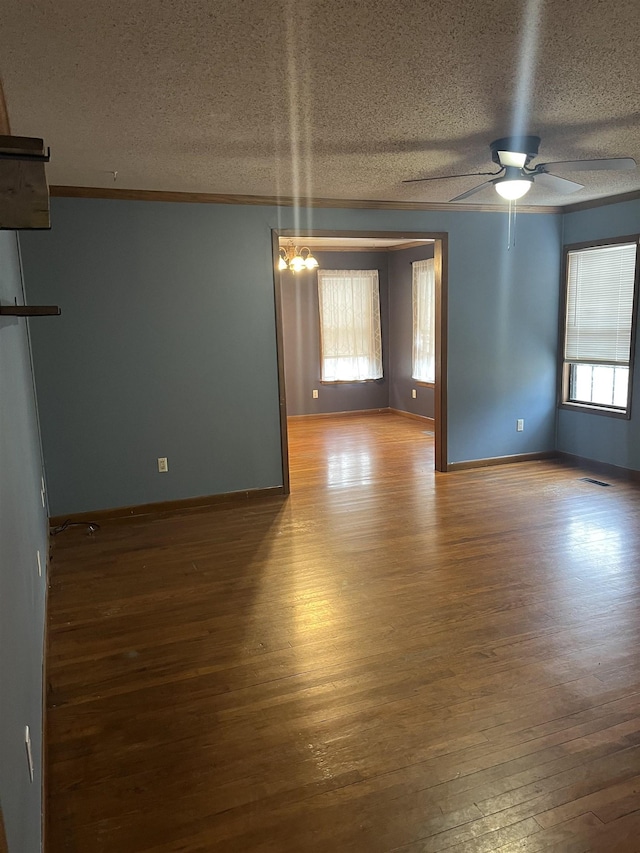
[
  {"x": 166, "y": 346},
  {"x": 604, "y": 439},
  {"x": 23, "y": 531},
  {"x": 503, "y": 329},
  {"x": 301, "y": 332},
  {"x": 401, "y": 334}
]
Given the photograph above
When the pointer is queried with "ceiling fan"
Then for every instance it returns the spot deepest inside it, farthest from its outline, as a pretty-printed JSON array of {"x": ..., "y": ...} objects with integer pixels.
[{"x": 514, "y": 178}]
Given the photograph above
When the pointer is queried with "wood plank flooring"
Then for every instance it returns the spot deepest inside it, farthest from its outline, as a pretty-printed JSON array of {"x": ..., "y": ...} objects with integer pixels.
[{"x": 388, "y": 660}]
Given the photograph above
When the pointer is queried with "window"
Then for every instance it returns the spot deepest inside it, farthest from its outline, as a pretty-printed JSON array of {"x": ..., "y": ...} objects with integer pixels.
[
  {"x": 350, "y": 339},
  {"x": 599, "y": 326},
  {"x": 424, "y": 321}
]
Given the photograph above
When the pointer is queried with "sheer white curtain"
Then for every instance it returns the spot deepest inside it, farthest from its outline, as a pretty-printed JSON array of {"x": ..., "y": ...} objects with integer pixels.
[
  {"x": 424, "y": 321},
  {"x": 350, "y": 339}
]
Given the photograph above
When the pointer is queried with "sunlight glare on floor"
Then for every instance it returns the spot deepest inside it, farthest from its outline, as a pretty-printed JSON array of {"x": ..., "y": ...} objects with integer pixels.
[{"x": 349, "y": 467}]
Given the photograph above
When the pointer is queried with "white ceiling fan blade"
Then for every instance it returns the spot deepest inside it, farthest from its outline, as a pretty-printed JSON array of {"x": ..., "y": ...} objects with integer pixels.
[
  {"x": 556, "y": 184},
  {"x": 448, "y": 177},
  {"x": 600, "y": 164},
  {"x": 473, "y": 191}
]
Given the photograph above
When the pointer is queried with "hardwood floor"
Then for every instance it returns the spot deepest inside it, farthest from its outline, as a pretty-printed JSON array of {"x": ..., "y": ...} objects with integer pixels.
[{"x": 388, "y": 660}]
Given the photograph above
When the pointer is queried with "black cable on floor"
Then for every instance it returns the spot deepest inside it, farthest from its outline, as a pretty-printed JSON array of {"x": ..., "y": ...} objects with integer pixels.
[{"x": 91, "y": 525}]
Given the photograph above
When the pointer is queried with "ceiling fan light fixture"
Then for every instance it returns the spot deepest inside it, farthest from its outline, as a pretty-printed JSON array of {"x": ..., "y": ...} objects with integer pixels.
[{"x": 513, "y": 188}]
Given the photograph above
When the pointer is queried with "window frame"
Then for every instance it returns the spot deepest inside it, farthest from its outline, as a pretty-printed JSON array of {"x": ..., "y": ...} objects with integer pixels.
[
  {"x": 564, "y": 367},
  {"x": 320, "y": 336},
  {"x": 422, "y": 382}
]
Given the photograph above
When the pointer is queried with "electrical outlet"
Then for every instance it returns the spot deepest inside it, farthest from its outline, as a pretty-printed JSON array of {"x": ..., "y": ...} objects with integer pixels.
[
  {"x": 520, "y": 425},
  {"x": 414, "y": 393},
  {"x": 163, "y": 465},
  {"x": 314, "y": 393},
  {"x": 27, "y": 743},
  {"x": 39, "y": 564}
]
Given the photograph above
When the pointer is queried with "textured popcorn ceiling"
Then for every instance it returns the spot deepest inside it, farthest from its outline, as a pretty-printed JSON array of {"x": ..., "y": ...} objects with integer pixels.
[{"x": 319, "y": 97}]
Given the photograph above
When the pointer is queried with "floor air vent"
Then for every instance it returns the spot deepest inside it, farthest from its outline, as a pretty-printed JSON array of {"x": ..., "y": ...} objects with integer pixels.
[{"x": 595, "y": 482}]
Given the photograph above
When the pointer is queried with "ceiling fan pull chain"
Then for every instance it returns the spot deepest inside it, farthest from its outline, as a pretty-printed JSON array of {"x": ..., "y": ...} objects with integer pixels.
[{"x": 511, "y": 231}]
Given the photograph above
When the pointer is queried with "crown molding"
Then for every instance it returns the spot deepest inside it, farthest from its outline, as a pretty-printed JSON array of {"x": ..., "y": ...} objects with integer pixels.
[
  {"x": 373, "y": 249},
  {"x": 283, "y": 201},
  {"x": 119, "y": 194},
  {"x": 418, "y": 244},
  {"x": 344, "y": 203},
  {"x": 601, "y": 202}
]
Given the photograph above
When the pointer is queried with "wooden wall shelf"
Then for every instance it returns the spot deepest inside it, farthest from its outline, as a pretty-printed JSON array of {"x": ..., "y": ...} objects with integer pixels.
[
  {"x": 29, "y": 311},
  {"x": 24, "y": 194}
]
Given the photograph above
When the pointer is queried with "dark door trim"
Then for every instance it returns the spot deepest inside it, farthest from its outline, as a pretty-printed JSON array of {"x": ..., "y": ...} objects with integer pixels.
[{"x": 282, "y": 396}]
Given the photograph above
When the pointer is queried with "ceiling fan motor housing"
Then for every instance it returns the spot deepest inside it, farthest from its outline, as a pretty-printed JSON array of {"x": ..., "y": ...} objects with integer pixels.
[{"x": 521, "y": 144}]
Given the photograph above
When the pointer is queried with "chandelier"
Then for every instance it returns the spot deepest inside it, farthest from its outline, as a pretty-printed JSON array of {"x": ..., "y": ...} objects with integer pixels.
[{"x": 296, "y": 259}]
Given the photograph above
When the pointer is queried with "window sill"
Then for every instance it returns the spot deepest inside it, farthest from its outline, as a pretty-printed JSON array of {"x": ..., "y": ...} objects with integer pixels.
[
  {"x": 620, "y": 414},
  {"x": 423, "y": 384},
  {"x": 349, "y": 381}
]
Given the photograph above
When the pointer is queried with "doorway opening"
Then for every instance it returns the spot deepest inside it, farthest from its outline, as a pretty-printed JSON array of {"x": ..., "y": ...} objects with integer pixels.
[{"x": 403, "y": 247}]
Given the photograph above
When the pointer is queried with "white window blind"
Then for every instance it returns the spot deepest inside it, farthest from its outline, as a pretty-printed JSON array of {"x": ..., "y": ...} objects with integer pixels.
[
  {"x": 600, "y": 284},
  {"x": 350, "y": 338},
  {"x": 424, "y": 321}
]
